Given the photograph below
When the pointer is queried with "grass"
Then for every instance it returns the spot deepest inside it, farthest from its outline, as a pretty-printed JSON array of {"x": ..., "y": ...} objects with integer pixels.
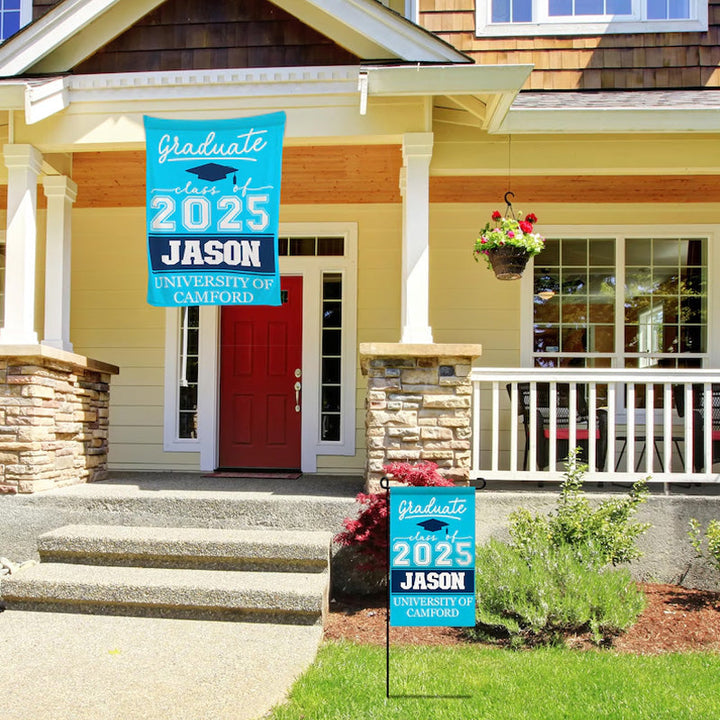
[{"x": 347, "y": 682}]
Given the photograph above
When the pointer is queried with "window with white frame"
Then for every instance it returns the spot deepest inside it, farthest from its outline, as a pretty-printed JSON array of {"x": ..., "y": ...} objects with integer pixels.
[
  {"x": 622, "y": 301},
  {"x": 585, "y": 17},
  {"x": 14, "y": 14}
]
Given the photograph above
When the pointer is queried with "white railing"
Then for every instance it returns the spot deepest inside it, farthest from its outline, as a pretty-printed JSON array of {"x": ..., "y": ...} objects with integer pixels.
[{"x": 646, "y": 423}]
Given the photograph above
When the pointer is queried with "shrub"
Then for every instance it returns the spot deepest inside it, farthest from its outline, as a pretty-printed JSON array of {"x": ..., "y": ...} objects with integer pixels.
[
  {"x": 605, "y": 534},
  {"x": 556, "y": 575},
  {"x": 712, "y": 538},
  {"x": 368, "y": 532},
  {"x": 543, "y": 592}
]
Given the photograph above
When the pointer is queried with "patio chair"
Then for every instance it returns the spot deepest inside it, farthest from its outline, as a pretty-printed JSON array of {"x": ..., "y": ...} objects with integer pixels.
[
  {"x": 562, "y": 415},
  {"x": 699, "y": 416}
]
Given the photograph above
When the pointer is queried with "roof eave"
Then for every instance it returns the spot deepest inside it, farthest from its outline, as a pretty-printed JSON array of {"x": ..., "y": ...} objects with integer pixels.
[{"x": 550, "y": 121}]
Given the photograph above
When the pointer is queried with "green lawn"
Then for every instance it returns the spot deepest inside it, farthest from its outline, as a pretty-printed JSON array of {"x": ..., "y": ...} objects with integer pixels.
[{"x": 473, "y": 683}]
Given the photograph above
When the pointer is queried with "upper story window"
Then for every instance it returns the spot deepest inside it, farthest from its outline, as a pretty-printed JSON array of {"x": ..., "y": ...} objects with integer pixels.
[
  {"x": 14, "y": 14},
  {"x": 589, "y": 17}
]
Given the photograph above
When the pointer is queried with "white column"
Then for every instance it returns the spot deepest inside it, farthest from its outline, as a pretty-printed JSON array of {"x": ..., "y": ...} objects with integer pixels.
[
  {"x": 415, "y": 187},
  {"x": 61, "y": 192},
  {"x": 23, "y": 163}
]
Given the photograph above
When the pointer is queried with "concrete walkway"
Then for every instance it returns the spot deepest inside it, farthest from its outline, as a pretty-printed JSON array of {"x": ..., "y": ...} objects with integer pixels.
[{"x": 62, "y": 666}]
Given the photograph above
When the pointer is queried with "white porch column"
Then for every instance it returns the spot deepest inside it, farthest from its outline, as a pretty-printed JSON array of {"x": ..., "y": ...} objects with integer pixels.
[
  {"x": 23, "y": 163},
  {"x": 415, "y": 187},
  {"x": 61, "y": 192}
]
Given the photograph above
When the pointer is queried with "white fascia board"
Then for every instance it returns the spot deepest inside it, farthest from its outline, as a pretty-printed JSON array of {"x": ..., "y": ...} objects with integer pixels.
[
  {"x": 207, "y": 84},
  {"x": 371, "y": 31},
  {"x": 446, "y": 80},
  {"x": 43, "y": 99},
  {"x": 495, "y": 86},
  {"x": 37, "y": 40},
  {"x": 611, "y": 120}
]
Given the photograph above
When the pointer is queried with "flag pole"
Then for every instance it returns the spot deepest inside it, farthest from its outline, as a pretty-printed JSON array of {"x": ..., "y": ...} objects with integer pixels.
[{"x": 385, "y": 484}]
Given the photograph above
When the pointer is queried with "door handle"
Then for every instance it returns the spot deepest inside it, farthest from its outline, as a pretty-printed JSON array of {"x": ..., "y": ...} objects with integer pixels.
[{"x": 298, "y": 387}]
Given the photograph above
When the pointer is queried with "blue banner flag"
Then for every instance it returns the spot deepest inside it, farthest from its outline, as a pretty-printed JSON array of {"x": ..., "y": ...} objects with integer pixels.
[
  {"x": 213, "y": 200},
  {"x": 432, "y": 556}
]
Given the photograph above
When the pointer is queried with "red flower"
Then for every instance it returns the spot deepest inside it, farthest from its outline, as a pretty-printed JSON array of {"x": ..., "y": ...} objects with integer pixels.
[
  {"x": 526, "y": 227},
  {"x": 496, "y": 215},
  {"x": 531, "y": 218}
]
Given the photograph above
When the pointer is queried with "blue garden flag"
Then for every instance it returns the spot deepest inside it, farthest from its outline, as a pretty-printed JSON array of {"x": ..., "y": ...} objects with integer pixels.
[
  {"x": 432, "y": 556},
  {"x": 213, "y": 199}
]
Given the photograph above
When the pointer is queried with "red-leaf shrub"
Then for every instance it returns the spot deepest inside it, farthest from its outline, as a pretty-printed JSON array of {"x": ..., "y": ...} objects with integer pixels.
[{"x": 368, "y": 532}]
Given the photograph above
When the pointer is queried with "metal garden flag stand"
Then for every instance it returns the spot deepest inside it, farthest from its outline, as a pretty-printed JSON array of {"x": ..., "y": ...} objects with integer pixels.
[{"x": 431, "y": 559}]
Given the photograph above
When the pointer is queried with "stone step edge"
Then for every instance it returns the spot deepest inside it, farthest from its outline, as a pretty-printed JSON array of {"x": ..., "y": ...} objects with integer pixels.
[
  {"x": 279, "y": 617},
  {"x": 184, "y": 590},
  {"x": 184, "y": 562},
  {"x": 188, "y": 548}
]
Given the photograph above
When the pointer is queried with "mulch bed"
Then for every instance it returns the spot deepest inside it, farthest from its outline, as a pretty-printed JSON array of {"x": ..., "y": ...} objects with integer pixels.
[{"x": 675, "y": 619}]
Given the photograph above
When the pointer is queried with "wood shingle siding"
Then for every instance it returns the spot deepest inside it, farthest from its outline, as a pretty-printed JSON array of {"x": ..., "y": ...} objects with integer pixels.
[
  {"x": 619, "y": 61},
  {"x": 311, "y": 175},
  {"x": 40, "y": 7},
  {"x": 579, "y": 188},
  {"x": 197, "y": 35}
]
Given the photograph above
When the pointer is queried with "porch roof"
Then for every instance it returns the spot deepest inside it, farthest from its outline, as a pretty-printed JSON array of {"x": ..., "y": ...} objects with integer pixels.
[
  {"x": 617, "y": 111},
  {"x": 369, "y": 103}
]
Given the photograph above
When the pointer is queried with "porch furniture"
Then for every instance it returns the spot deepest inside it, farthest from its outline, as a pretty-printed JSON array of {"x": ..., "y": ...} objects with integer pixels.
[
  {"x": 562, "y": 423},
  {"x": 699, "y": 416},
  {"x": 675, "y": 439}
]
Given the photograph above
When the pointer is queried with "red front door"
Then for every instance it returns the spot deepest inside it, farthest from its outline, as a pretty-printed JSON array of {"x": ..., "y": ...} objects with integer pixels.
[{"x": 260, "y": 364}]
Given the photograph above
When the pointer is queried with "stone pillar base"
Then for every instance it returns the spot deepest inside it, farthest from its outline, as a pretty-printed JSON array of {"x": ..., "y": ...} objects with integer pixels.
[
  {"x": 418, "y": 407},
  {"x": 54, "y": 414}
]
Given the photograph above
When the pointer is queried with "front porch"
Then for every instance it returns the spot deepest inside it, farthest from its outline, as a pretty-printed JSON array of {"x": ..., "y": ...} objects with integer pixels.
[
  {"x": 320, "y": 502},
  {"x": 646, "y": 424}
]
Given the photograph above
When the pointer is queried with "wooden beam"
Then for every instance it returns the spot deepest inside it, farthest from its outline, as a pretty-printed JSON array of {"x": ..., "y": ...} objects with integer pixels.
[{"x": 579, "y": 189}]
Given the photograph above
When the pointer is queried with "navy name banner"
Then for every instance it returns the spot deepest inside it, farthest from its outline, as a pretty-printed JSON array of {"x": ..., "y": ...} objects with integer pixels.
[
  {"x": 213, "y": 201},
  {"x": 432, "y": 556}
]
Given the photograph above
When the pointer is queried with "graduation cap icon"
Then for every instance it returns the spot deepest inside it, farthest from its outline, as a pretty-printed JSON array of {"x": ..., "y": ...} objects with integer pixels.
[
  {"x": 213, "y": 172},
  {"x": 433, "y": 525}
]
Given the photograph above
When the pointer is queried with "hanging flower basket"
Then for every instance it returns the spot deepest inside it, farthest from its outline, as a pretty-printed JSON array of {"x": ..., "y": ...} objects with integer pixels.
[
  {"x": 509, "y": 244},
  {"x": 508, "y": 261}
]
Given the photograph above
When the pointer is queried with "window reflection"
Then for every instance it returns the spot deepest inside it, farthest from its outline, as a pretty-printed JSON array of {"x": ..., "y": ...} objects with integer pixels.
[{"x": 663, "y": 309}]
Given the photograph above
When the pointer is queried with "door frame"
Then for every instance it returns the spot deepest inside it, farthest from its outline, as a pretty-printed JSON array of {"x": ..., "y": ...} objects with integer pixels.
[{"x": 311, "y": 269}]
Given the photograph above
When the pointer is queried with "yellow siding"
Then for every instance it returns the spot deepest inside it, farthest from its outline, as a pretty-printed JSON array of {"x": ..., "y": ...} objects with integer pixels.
[{"x": 112, "y": 322}]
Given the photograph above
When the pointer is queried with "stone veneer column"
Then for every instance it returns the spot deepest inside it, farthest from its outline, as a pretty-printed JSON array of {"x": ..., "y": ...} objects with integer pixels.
[
  {"x": 418, "y": 406},
  {"x": 54, "y": 415}
]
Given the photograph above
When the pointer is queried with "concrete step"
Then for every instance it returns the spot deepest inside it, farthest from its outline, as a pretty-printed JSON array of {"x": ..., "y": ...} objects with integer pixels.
[
  {"x": 185, "y": 500},
  {"x": 299, "y": 598},
  {"x": 298, "y": 551}
]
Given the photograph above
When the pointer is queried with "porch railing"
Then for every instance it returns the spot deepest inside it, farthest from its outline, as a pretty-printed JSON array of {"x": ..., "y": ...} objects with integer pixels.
[{"x": 634, "y": 423}]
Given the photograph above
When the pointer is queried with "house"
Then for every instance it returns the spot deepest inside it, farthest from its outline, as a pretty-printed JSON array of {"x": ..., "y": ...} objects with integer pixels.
[{"x": 407, "y": 124}]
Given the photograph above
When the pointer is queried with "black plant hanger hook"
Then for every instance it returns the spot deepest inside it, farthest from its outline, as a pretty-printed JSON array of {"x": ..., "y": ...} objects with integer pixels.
[{"x": 509, "y": 209}]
